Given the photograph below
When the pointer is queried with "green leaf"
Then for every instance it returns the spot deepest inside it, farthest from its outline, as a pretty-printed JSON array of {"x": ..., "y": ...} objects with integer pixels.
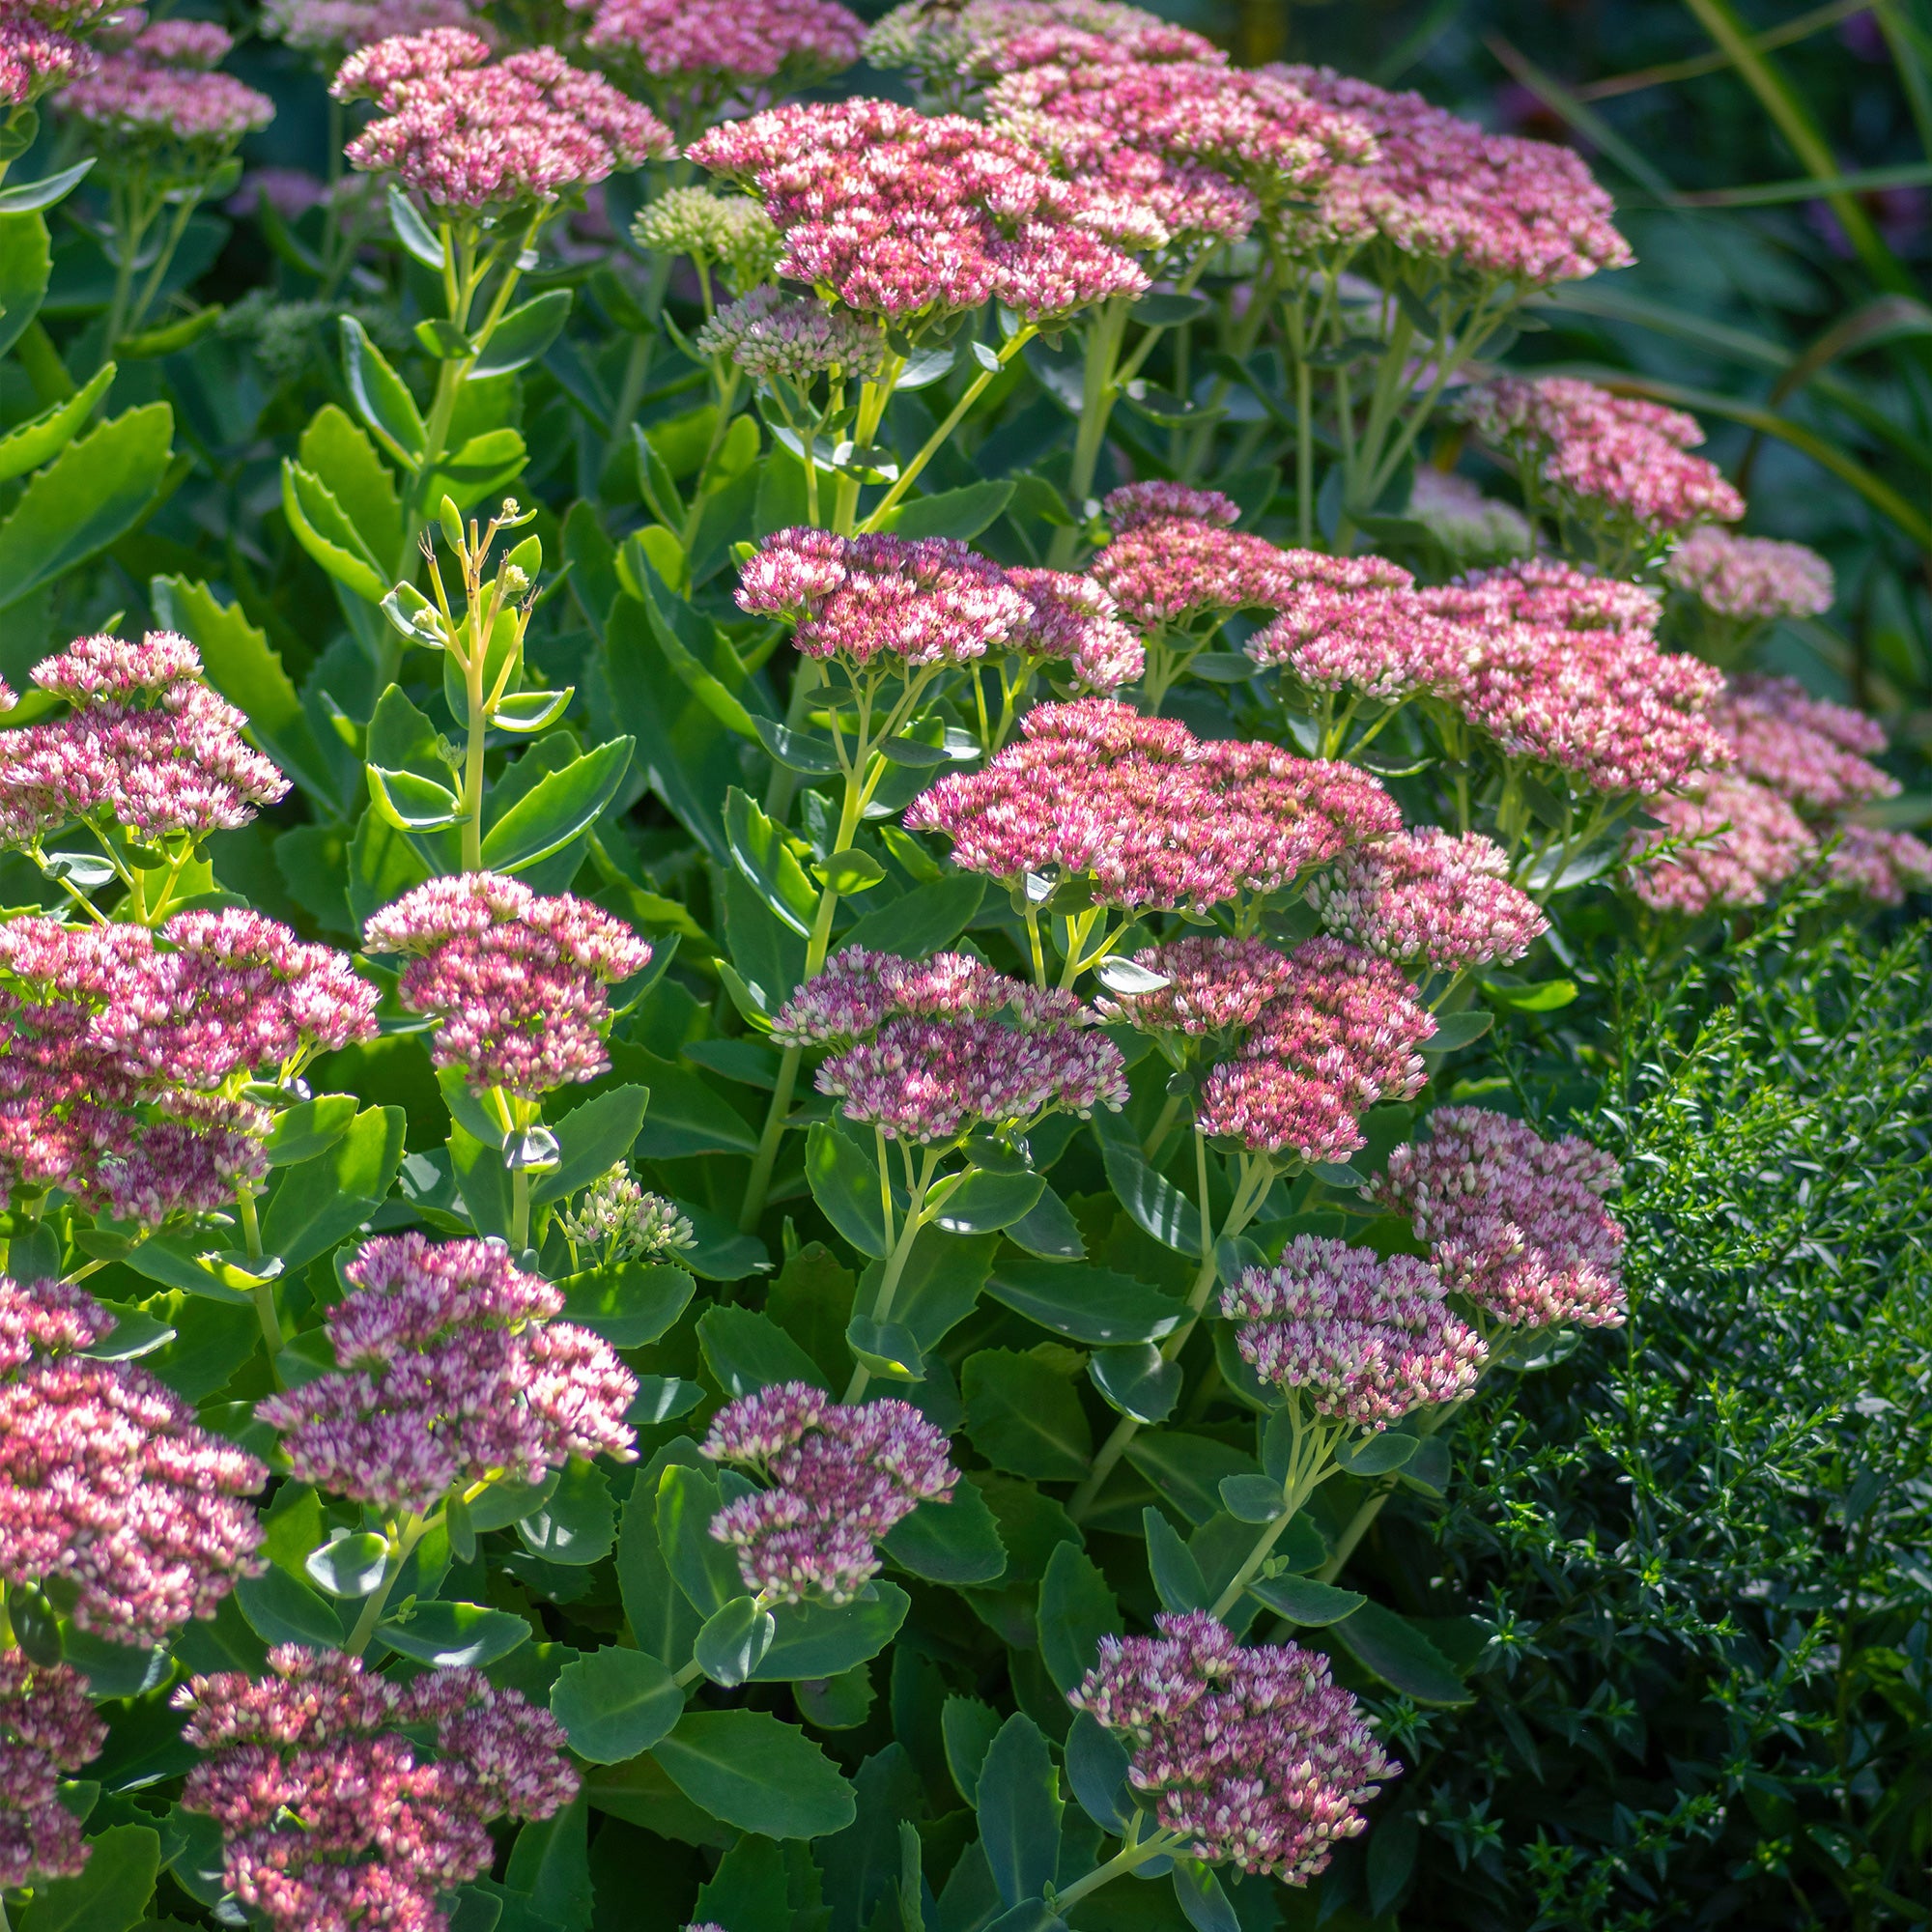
[
  {"x": 704, "y": 1569},
  {"x": 463, "y": 1634},
  {"x": 661, "y": 1617},
  {"x": 109, "y": 1893},
  {"x": 337, "y": 451},
  {"x": 591, "y": 1139},
  {"x": 505, "y": 1503},
  {"x": 381, "y": 396},
  {"x": 1025, "y": 1416},
  {"x": 750, "y": 1891},
  {"x": 309, "y": 1128},
  {"x": 523, "y": 336},
  {"x": 349, "y": 1567},
  {"x": 41, "y": 438},
  {"x": 1302, "y": 1599},
  {"x": 1086, "y": 1304},
  {"x": 747, "y": 1352},
  {"x": 734, "y": 1637},
  {"x": 797, "y": 751},
  {"x": 315, "y": 1202},
  {"x": 1187, "y": 1469},
  {"x": 1138, "y": 1382},
  {"x": 922, "y": 921},
  {"x": 1458, "y": 1030},
  {"x": 417, "y": 237},
  {"x": 91, "y": 492},
  {"x": 629, "y": 1304},
  {"x": 576, "y": 1523},
  {"x": 322, "y": 528},
  {"x": 956, "y": 1543},
  {"x": 845, "y": 1184},
  {"x": 614, "y": 1703},
  {"x": 1077, "y": 1607},
  {"x": 826, "y": 1639},
  {"x": 1153, "y": 1202},
  {"x": 985, "y": 1201},
  {"x": 281, "y": 1611},
  {"x": 1378, "y": 1454},
  {"x": 26, "y": 261},
  {"x": 850, "y": 873},
  {"x": 967, "y": 1729},
  {"x": 1019, "y": 1806},
  {"x": 939, "y": 1286},
  {"x": 1096, "y": 1772},
  {"x": 1252, "y": 1499},
  {"x": 1400, "y": 1656},
  {"x": 764, "y": 858},
  {"x": 1547, "y": 997},
  {"x": 887, "y": 1349},
  {"x": 1177, "y": 1574},
  {"x": 135, "y": 1333},
  {"x": 749, "y": 1771},
  {"x": 557, "y": 809},
  {"x": 961, "y": 512},
  {"x": 1200, "y": 1898},
  {"x": 1048, "y": 1230}
]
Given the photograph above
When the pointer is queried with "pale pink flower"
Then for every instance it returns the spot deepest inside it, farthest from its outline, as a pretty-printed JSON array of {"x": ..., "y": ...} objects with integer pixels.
[
  {"x": 1431, "y": 898},
  {"x": 1751, "y": 578},
  {"x": 49, "y": 1726},
  {"x": 775, "y": 337},
  {"x": 1073, "y": 620},
  {"x": 158, "y": 94},
  {"x": 1810, "y": 752},
  {"x": 331, "y": 29},
  {"x": 1744, "y": 842},
  {"x": 1879, "y": 864}
]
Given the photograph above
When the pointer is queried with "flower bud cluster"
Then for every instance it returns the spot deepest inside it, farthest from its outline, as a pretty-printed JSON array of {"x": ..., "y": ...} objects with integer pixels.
[
  {"x": 1073, "y": 621},
  {"x": 333, "y": 1815},
  {"x": 1751, "y": 578},
  {"x": 1513, "y": 1221},
  {"x": 1255, "y": 1755},
  {"x": 1359, "y": 625},
  {"x": 1431, "y": 900},
  {"x": 1736, "y": 842},
  {"x": 452, "y": 1372},
  {"x": 775, "y": 337},
  {"x": 1366, "y": 1339},
  {"x": 332, "y": 29},
  {"x": 1172, "y": 570},
  {"x": 147, "y": 746},
  {"x": 1472, "y": 528},
  {"x": 159, "y": 97},
  {"x": 106, "y": 1482},
  {"x": 615, "y": 1215},
  {"x": 930, "y": 1049},
  {"x": 953, "y": 47},
  {"x": 841, "y": 1475},
  {"x": 515, "y": 981},
  {"x": 722, "y": 231},
  {"x": 47, "y": 1726},
  {"x": 916, "y": 218},
  {"x": 44, "y": 44},
  {"x": 477, "y": 138}
]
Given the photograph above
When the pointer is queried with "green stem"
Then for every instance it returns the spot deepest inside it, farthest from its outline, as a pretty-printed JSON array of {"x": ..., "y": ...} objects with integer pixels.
[
  {"x": 519, "y": 1209},
  {"x": 157, "y": 275},
  {"x": 400, "y": 1548},
  {"x": 1311, "y": 1462},
  {"x": 1098, "y": 386},
  {"x": 888, "y": 1282},
  {"x": 873, "y": 396},
  {"x": 1428, "y": 1422},
  {"x": 1129, "y": 1857},
  {"x": 264, "y": 1292}
]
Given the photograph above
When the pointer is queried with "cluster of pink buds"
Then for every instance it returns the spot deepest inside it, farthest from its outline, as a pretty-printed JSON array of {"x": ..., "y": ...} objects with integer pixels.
[
  {"x": 47, "y": 1726},
  {"x": 1357, "y": 624},
  {"x": 949, "y": 49},
  {"x": 147, "y": 745},
  {"x": 1431, "y": 900},
  {"x": 1175, "y": 563},
  {"x": 161, "y": 94},
  {"x": 453, "y": 1372},
  {"x": 120, "y": 1051},
  {"x": 477, "y": 138},
  {"x": 916, "y": 218},
  {"x": 1150, "y": 815},
  {"x": 1879, "y": 864},
  {"x": 332, "y": 1815},
  {"x": 1472, "y": 528},
  {"x": 1446, "y": 191},
  {"x": 44, "y": 44},
  {"x": 107, "y": 1485},
  {"x": 516, "y": 981},
  {"x": 1073, "y": 621},
  {"x": 1513, "y": 1221},
  {"x": 1751, "y": 579},
  {"x": 1610, "y": 462},
  {"x": 930, "y": 1049},
  {"x": 1734, "y": 843},
  {"x": 1255, "y": 1755},
  {"x": 841, "y": 1475},
  {"x": 331, "y": 29},
  {"x": 1812, "y": 752},
  {"x": 1366, "y": 1340}
]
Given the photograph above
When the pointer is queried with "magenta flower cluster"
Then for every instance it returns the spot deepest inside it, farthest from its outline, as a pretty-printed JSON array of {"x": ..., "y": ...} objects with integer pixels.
[
  {"x": 107, "y": 1485},
  {"x": 1366, "y": 1339},
  {"x": 160, "y": 91},
  {"x": 1152, "y": 815},
  {"x": 44, "y": 44},
  {"x": 474, "y": 137},
  {"x": 1431, "y": 899},
  {"x": 1253, "y": 1754},
  {"x": 332, "y": 1815},
  {"x": 453, "y": 1372},
  {"x": 930, "y": 1049},
  {"x": 47, "y": 1726},
  {"x": 120, "y": 1050},
  {"x": 917, "y": 218},
  {"x": 147, "y": 746},
  {"x": 1513, "y": 1221},
  {"x": 1751, "y": 579},
  {"x": 516, "y": 981},
  {"x": 841, "y": 1475}
]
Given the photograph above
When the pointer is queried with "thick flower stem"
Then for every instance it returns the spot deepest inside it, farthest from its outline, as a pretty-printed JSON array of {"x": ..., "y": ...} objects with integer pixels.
[
  {"x": 915, "y": 1218},
  {"x": 1310, "y": 1463},
  {"x": 1098, "y": 387},
  {"x": 401, "y": 1546},
  {"x": 1132, "y": 1855}
]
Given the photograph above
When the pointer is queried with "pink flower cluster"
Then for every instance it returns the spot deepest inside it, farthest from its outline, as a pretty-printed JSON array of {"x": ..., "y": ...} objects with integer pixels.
[
  {"x": 1563, "y": 670},
  {"x": 1810, "y": 752},
  {"x": 841, "y": 1475},
  {"x": 1744, "y": 842},
  {"x": 1879, "y": 864},
  {"x": 332, "y": 1816},
  {"x": 159, "y": 92},
  {"x": 1447, "y": 190},
  {"x": 930, "y": 1049},
  {"x": 47, "y": 1726},
  {"x": 1514, "y": 1222},
  {"x": 1170, "y": 568},
  {"x": 1159, "y": 118},
  {"x": 1152, "y": 815},
  {"x": 107, "y": 1485},
  {"x": 453, "y": 1372},
  {"x": 1358, "y": 624},
  {"x": 333, "y": 28},
  {"x": 1751, "y": 579},
  {"x": 1367, "y": 1338},
  {"x": 1433, "y": 899},
  {"x": 949, "y": 49},
  {"x": 516, "y": 981},
  {"x": 475, "y": 138},
  {"x": 118, "y": 1049},
  {"x": 1255, "y": 1755},
  {"x": 147, "y": 746},
  {"x": 1073, "y": 621},
  {"x": 39, "y": 51},
  {"x": 914, "y": 218},
  {"x": 1610, "y": 461}
]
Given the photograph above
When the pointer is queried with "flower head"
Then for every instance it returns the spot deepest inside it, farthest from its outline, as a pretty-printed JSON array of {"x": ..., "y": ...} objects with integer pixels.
[
  {"x": 515, "y": 981},
  {"x": 617, "y": 1216},
  {"x": 47, "y": 1726},
  {"x": 775, "y": 337},
  {"x": 1366, "y": 1339},
  {"x": 1735, "y": 841},
  {"x": 1472, "y": 528},
  {"x": 452, "y": 1369},
  {"x": 1254, "y": 1755},
  {"x": 721, "y": 230},
  {"x": 1173, "y": 572},
  {"x": 36, "y": 57},
  {"x": 1431, "y": 898},
  {"x": 107, "y": 1485},
  {"x": 479, "y": 138},
  {"x": 1157, "y": 500},
  {"x": 914, "y": 218},
  {"x": 1352, "y": 627},
  {"x": 1751, "y": 578},
  {"x": 156, "y": 97},
  {"x": 1812, "y": 752},
  {"x": 1879, "y": 864},
  {"x": 952, "y": 48},
  {"x": 1072, "y": 621},
  {"x": 331, "y": 29},
  {"x": 1513, "y": 1221},
  {"x": 841, "y": 1475},
  {"x": 332, "y": 1815}
]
